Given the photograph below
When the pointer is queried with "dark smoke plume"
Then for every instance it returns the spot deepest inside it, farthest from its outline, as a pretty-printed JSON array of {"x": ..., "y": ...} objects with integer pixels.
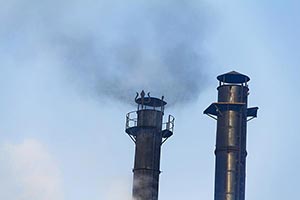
[
  {"x": 116, "y": 48},
  {"x": 153, "y": 46}
]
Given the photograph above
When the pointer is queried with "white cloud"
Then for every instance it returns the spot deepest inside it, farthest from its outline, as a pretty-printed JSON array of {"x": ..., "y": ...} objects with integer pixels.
[{"x": 31, "y": 172}]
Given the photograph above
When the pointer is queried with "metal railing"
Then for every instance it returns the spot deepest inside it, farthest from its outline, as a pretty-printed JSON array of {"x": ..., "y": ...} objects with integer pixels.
[
  {"x": 145, "y": 107},
  {"x": 131, "y": 119},
  {"x": 169, "y": 125}
]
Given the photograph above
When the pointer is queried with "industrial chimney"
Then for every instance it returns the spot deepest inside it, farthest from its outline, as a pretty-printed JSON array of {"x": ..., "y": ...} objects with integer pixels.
[
  {"x": 232, "y": 114},
  {"x": 146, "y": 128}
]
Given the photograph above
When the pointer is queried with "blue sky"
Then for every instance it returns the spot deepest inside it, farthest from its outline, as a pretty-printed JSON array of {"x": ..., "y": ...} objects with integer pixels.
[{"x": 68, "y": 70}]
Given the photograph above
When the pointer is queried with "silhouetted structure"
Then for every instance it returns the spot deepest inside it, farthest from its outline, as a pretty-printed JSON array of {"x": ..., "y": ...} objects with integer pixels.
[
  {"x": 232, "y": 114},
  {"x": 146, "y": 128}
]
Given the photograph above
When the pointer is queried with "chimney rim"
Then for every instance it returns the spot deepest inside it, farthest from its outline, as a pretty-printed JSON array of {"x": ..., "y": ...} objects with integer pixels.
[{"x": 233, "y": 77}]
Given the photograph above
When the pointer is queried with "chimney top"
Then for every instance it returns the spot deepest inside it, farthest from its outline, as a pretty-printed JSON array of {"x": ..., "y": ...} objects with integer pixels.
[
  {"x": 233, "y": 77},
  {"x": 149, "y": 101}
]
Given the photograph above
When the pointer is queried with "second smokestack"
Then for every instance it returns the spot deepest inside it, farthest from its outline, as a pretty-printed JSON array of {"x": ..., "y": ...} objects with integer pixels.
[
  {"x": 146, "y": 128},
  {"x": 232, "y": 114}
]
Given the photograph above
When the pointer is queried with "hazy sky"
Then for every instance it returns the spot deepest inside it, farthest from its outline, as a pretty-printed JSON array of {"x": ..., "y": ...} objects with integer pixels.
[{"x": 68, "y": 70}]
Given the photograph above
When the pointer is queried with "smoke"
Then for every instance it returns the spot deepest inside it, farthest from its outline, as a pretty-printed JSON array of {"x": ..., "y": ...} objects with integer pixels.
[
  {"x": 156, "y": 46},
  {"x": 118, "y": 190},
  {"x": 144, "y": 187},
  {"x": 28, "y": 171},
  {"x": 107, "y": 49},
  {"x": 115, "y": 48}
]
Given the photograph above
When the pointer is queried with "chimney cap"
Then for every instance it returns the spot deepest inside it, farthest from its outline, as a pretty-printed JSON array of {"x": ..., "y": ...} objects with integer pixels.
[
  {"x": 233, "y": 77},
  {"x": 149, "y": 101}
]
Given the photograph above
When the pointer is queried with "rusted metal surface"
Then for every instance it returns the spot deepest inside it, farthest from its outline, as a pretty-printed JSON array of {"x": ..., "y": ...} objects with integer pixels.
[
  {"x": 233, "y": 77},
  {"x": 146, "y": 131},
  {"x": 231, "y": 113}
]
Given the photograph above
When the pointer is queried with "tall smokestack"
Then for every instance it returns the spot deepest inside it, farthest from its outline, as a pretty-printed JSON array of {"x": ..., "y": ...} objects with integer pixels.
[
  {"x": 146, "y": 128},
  {"x": 232, "y": 114}
]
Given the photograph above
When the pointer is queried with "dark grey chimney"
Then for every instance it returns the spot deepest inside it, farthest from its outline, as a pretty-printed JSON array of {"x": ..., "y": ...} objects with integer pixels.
[
  {"x": 146, "y": 128},
  {"x": 232, "y": 114}
]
